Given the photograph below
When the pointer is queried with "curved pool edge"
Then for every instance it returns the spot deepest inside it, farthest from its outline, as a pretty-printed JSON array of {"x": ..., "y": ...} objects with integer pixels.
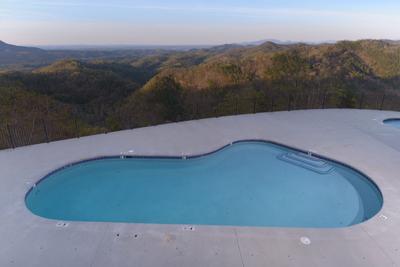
[
  {"x": 390, "y": 121},
  {"x": 200, "y": 155}
]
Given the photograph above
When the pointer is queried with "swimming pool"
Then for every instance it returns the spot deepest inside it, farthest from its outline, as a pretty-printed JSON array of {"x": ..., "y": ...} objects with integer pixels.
[
  {"x": 249, "y": 183},
  {"x": 392, "y": 122}
]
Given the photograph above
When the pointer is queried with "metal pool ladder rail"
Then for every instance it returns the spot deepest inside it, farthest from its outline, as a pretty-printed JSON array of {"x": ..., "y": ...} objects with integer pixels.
[{"x": 307, "y": 161}]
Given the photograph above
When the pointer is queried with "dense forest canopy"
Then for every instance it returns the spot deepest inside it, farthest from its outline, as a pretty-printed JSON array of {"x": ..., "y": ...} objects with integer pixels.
[{"x": 95, "y": 91}]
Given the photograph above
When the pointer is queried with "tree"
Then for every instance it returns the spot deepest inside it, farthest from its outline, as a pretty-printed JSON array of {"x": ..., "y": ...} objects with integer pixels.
[
  {"x": 289, "y": 68},
  {"x": 168, "y": 94}
]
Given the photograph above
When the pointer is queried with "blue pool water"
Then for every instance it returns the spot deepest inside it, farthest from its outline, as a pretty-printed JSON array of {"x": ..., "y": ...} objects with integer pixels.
[
  {"x": 393, "y": 122},
  {"x": 246, "y": 184}
]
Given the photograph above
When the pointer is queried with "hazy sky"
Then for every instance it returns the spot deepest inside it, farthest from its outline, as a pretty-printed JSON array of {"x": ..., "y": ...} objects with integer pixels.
[{"x": 50, "y": 22}]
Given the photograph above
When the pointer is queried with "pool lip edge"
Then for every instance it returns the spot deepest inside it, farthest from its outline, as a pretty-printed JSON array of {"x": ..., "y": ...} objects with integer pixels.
[
  {"x": 209, "y": 153},
  {"x": 384, "y": 121}
]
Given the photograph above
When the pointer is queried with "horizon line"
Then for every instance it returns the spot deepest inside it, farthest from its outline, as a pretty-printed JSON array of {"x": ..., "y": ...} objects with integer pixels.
[{"x": 194, "y": 45}]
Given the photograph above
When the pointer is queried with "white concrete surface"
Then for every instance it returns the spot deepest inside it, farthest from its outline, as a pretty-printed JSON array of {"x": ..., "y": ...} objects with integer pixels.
[{"x": 355, "y": 137}]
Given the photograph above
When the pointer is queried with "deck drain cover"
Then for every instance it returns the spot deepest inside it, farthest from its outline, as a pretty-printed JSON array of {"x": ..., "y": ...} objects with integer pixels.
[
  {"x": 62, "y": 224},
  {"x": 188, "y": 228},
  {"x": 305, "y": 240},
  {"x": 383, "y": 217}
]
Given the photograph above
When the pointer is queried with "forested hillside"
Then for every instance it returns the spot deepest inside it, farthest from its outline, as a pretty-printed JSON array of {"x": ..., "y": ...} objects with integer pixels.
[
  {"x": 96, "y": 94},
  {"x": 240, "y": 78}
]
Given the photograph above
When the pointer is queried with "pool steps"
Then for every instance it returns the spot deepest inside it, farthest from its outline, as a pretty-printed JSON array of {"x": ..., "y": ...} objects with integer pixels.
[{"x": 307, "y": 161}]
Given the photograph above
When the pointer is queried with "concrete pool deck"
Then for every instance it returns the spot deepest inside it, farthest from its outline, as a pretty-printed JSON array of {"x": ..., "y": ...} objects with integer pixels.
[{"x": 355, "y": 137}]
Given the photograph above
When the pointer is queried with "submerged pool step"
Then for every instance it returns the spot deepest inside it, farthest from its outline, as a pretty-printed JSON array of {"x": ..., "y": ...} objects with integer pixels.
[{"x": 307, "y": 161}]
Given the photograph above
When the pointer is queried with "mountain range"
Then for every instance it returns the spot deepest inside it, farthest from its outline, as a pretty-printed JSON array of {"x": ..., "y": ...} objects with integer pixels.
[
  {"x": 119, "y": 89},
  {"x": 14, "y": 57}
]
